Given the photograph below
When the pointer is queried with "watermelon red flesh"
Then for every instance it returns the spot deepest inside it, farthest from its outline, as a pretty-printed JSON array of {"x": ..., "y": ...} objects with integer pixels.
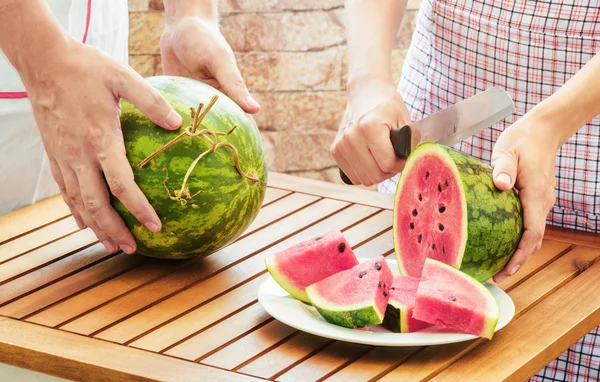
[
  {"x": 355, "y": 297},
  {"x": 430, "y": 214},
  {"x": 399, "y": 312},
  {"x": 310, "y": 261},
  {"x": 449, "y": 298}
]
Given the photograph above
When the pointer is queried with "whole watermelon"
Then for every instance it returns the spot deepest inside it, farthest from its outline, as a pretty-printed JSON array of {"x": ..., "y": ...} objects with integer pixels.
[
  {"x": 447, "y": 208},
  {"x": 218, "y": 201}
]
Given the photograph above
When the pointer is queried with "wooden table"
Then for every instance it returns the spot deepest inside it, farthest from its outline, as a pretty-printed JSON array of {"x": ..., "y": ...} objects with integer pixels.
[{"x": 70, "y": 309}]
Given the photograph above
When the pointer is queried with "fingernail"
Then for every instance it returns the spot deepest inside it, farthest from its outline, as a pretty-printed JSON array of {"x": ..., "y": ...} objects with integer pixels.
[
  {"x": 174, "y": 119},
  {"x": 127, "y": 249},
  {"x": 80, "y": 224},
  {"x": 515, "y": 269},
  {"x": 251, "y": 102},
  {"x": 504, "y": 178},
  {"x": 153, "y": 227},
  {"x": 500, "y": 278},
  {"x": 109, "y": 245}
]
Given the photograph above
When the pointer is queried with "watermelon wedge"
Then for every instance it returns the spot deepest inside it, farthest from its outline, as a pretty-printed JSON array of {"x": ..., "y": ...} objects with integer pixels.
[
  {"x": 310, "y": 261},
  {"x": 399, "y": 312},
  {"x": 449, "y": 298},
  {"x": 447, "y": 208},
  {"x": 354, "y": 298}
]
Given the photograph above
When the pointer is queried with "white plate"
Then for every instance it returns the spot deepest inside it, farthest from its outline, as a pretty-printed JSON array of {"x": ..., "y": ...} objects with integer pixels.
[{"x": 283, "y": 307}]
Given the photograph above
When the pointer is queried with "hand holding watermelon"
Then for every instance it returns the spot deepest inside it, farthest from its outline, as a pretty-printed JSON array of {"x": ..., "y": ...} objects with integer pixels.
[{"x": 524, "y": 157}]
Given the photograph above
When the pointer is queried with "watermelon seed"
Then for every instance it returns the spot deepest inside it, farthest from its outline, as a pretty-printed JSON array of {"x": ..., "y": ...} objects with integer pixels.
[
  {"x": 427, "y": 175},
  {"x": 439, "y": 187},
  {"x": 361, "y": 275},
  {"x": 380, "y": 284},
  {"x": 442, "y": 209},
  {"x": 415, "y": 212},
  {"x": 412, "y": 225},
  {"x": 441, "y": 227},
  {"x": 433, "y": 246},
  {"x": 444, "y": 250},
  {"x": 420, "y": 198},
  {"x": 384, "y": 294},
  {"x": 318, "y": 238},
  {"x": 420, "y": 238},
  {"x": 452, "y": 298},
  {"x": 393, "y": 288},
  {"x": 377, "y": 266},
  {"x": 342, "y": 247},
  {"x": 447, "y": 184}
]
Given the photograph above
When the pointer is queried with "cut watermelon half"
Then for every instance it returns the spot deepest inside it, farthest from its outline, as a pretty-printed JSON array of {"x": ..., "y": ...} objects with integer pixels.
[
  {"x": 399, "y": 313},
  {"x": 310, "y": 261},
  {"x": 447, "y": 208},
  {"x": 354, "y": 298},
  {"x": 449, "y": 298}
]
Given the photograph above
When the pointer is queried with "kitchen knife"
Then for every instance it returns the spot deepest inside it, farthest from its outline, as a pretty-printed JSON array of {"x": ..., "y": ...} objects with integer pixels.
[{"x": 453, "y": 124}]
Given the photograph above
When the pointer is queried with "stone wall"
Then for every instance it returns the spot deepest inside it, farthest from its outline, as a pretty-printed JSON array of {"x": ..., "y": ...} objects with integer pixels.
[{"x": 292, "y": 55}]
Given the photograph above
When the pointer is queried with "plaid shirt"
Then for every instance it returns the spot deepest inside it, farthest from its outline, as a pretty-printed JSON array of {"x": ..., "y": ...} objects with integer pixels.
[{"x": 530, "y": 49}]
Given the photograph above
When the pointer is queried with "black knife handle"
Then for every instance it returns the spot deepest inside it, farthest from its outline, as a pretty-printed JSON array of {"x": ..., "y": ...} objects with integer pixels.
[{"x": 401, "y": 142}]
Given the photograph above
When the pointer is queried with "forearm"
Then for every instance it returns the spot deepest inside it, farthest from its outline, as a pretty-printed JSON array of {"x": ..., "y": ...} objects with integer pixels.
[
  {"x": 573, "y": 105},
  {"x": 178, "y": 9},
  {"x": 371, "y": 29},
  {"x": 30, "y": 35}
]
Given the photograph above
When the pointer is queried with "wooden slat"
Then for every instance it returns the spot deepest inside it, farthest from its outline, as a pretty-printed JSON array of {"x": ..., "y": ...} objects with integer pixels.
[
  {"x": 198, "y": 293},
  {"x": 432, "y": 360},
  {"x": 325, "y": 362},
  {"x": 98, "y": 295},
  {"x": 38, "y": 238},
  {"x": 46, "y": 254},
  {"x": 201, "y": 317},
  {"x": 79, "y": 358},
  {"x": 177, "y": 330},
  {"x": 189, "y": 275},
  {"x": 380, "y": 245},
  {"x": 244, "y": 348},
  {"x": 359, "y": 233},
  {"x": 537, "y": 337},
  {"x": 332, "y": 190},
  {"x": 280, "y": 208},
  {"x": 273, "y": 194},
  {"x": 26, "y": 219},
  {"x": 222, "y": 333},
  {"x": 572, "y": 237},
  {"x": 59, "y": 290},
  {"x": 298, "y": 347},
  {"x": 376, "y": 362},
  {"x": 51, "y": 272}
]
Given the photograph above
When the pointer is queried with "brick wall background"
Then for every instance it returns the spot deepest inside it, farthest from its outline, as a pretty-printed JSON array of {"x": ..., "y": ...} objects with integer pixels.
[{"x": 292, "y": 55}]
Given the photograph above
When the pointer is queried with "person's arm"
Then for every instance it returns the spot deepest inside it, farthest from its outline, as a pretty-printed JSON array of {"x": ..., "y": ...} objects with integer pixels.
[
  {"x": 362, "y": 147},
  {"x": 192, "y": 46},
  {"x": 525, "y": 154},
  {"x": 75, "y": 91}
]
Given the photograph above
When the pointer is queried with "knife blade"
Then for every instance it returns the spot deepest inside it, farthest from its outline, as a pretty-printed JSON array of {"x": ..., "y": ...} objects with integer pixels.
[{"x": 452, "y": 124}]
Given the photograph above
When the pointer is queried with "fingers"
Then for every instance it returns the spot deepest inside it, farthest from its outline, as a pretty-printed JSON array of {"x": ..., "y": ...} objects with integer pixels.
[
  {"x": 505, "y": 169},
  {"x": 56, "y": 174},
  {"x": 229, "y": 77},
  {"x": 132, "y": 87},
  {"x": 534, "y": 221}
]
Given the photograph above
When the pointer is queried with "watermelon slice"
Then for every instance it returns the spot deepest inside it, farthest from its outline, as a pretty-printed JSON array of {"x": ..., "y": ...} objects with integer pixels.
[
  {"x": 354, "y": 298},
  {"x": 447, "y": 208},
  {"x": 399, "y": 313},
  {"x": 310, "y": 261},
  {"x": 449, "y": 298}
]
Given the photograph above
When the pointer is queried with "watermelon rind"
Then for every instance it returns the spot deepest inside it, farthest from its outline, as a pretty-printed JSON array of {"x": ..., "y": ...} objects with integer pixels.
[
  {"x": 350, "y": 316},
  {"x": 494, "y": 218},
  {"x": 224, "y": 203},
  {"x": 492, "y": 313},
  {"x": 396, "y": 317}
]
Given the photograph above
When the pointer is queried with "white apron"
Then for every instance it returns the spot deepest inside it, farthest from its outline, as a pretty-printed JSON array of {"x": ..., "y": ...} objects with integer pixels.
[
  {"x": 530, "y": 49},
  {"x": 25, "y": 176}
]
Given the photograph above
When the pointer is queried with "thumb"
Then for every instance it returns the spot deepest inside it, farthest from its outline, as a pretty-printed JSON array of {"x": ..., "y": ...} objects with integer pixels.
[
  {"x": 505, "y": 170},
  {"x": 229, "y": 77},
  {"x": 148, "y": 100}
]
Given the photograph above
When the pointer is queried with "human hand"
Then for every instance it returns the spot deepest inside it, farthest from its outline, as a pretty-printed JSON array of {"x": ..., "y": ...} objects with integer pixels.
[
  {"x": 524, "y": 157},
  {"x": 362, "y": 147},
  {"x": 75, "y": 94},
  {"x": 194, "y": 47}
]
